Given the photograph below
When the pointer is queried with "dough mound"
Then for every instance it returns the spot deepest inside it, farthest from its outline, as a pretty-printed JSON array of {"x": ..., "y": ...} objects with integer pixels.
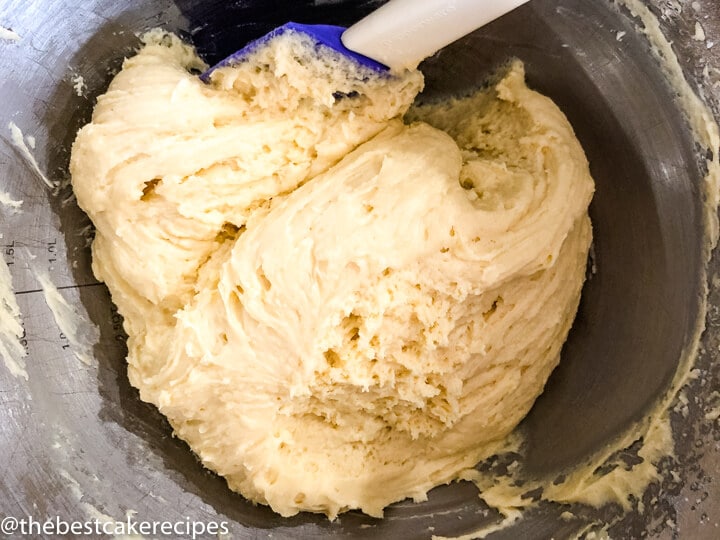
[{"x": 335, "y": 307}]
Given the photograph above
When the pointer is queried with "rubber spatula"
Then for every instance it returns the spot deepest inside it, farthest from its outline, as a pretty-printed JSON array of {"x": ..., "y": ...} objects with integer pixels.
[{"x": 398, "y": 35}]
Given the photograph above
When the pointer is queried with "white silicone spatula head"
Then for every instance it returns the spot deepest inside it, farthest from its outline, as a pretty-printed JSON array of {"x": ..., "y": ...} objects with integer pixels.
[{"x": 402, "y": 33}]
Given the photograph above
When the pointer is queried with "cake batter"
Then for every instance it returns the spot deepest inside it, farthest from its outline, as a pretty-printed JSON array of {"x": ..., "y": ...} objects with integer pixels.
[{"x": 338, "y": 301}]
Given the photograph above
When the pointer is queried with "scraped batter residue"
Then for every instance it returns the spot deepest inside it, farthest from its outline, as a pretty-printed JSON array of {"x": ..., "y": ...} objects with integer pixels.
[
  {"x": 7, "y": 201},
  {"x": 79, "y": 85},
  {"x": 12, "y": 350},
  {"x": 8, "y": 35},
  {"x": 21, "y": 143},
  {"x": 81, "y": 334}
]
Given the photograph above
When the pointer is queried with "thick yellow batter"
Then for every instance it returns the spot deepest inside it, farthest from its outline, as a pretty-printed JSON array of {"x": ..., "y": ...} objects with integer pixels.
[{"x": 334, "y": 307}]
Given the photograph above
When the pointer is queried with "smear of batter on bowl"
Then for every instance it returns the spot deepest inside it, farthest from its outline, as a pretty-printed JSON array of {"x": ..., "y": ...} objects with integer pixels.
[
  {"x": 8, "y": 34},
  {"x": 334, "y": 307},
  {"x": 80, "y": 333},
  {"x": 7, "y": 201},
  {"x": 102, "y": 522},
  {"x": 21, "y": 143},
  {"x": 79, "y": 85},
  {"x": 12, "y": 350}
]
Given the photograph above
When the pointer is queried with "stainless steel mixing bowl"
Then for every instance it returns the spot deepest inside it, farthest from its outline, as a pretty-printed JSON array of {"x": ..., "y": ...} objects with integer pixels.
[{"x": 77, "y": 442}]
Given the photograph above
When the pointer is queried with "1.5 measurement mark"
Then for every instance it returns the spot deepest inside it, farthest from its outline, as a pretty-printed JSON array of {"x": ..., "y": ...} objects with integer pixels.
[{"x": 10, "y": 253}]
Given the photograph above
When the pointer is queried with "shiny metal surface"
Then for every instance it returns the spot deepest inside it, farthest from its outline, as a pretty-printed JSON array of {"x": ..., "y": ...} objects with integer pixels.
[{"x": 76, "y": 441}]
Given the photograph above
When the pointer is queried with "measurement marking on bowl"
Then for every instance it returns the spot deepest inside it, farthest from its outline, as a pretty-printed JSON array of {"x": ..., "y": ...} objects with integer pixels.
[{"x": 62, "y": 288}]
